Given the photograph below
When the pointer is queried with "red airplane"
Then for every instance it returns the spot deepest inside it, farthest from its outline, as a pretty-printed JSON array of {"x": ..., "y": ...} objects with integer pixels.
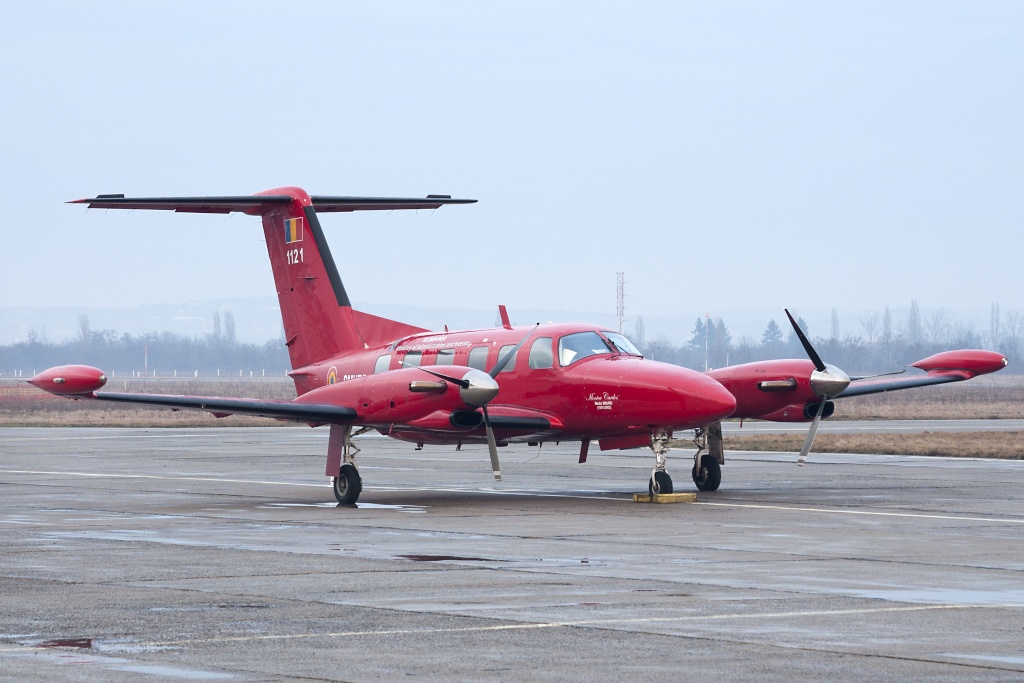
[{"x": 554, "y": 382}]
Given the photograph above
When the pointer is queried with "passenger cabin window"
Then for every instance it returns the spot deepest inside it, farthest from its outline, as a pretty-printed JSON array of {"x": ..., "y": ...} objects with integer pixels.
[
  {"x": 382, "y": 365},
  {"x": 574, "y": 347},
  {"x": 622, "y": 344},
  {"x": 412, "y": 359},
  {"x": 504, "y": 351},
  {"x": 540, "y": 354},
  {"x": 445, "y": 357},
  {"x": 478, "y": 358}
]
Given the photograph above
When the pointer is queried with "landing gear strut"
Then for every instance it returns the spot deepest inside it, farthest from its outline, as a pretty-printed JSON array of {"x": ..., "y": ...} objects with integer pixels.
[
  {"x": 660, "y": 481},
  {"x": 347, "y": 482},
  {"x": 707, "y": 472}
]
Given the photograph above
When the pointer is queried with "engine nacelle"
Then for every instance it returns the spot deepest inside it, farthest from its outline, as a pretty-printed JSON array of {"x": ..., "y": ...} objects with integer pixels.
[
  {"x": 798, "y": 412},
  {"x": 70, "y": 380}
]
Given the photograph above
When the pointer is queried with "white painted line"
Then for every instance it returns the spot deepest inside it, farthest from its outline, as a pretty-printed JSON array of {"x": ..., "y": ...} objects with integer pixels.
[
  {"x": 569, "y": 624},
  {"x": 961, "y": 518},
  {"x": 613, "y": 495},
  {"x": 153, "y": 476}
]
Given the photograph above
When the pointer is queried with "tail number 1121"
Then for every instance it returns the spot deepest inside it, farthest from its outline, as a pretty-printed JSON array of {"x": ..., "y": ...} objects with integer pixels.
[{"x": 294, "y": 256}]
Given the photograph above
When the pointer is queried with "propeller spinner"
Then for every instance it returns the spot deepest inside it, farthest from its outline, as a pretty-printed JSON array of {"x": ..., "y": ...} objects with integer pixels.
[
  {"x": 827, "y": 381},
  {"x": 479, "y": 388}
]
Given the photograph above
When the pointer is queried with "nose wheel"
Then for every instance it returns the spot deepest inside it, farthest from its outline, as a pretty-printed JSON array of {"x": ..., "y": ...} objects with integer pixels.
[{"x": 660, "y": 482}]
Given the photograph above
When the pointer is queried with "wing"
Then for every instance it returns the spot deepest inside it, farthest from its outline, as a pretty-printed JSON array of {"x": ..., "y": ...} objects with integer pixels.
[
  {"x": 310, "y": 413},
  {"x": 942, "y": 368},
  {"x": 863, "y": 387}
]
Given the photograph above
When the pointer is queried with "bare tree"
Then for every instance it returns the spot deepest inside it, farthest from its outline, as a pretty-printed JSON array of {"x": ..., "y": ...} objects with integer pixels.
[
  {"x": 83, "y": 328},
  {"x": 965, "y": 336},
  {"x": 639, "y": 332},
  {"x": 938, "y": 327},
  {"x": 835, "y": 326},
  {"x": 888, "y": 335},
  {"x": 1014, "y": 326},
  {"x": 229, "y": 325},
  {"x": 993, "y": 326},
  {"x": 914, "y": 327},
  {"x": 1011, "y": 344},
  {"x": 869, "y": 323},
  {"x": 216, "y": 326}
]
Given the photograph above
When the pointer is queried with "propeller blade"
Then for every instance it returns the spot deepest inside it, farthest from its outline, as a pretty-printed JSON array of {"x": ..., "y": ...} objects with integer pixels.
[
  {"x": 810, "y": 435},
  {"x": 500, "y": 365},
  {"x": 492, "y": 446},
  {"x": 454, "y": 380},
  {"x": 858, "y": 378},
  {"x": 811, "y": 353}
]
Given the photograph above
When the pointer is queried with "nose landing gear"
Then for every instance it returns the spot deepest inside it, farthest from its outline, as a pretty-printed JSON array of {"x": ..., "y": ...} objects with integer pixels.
[{"x": 660, "y": 481}]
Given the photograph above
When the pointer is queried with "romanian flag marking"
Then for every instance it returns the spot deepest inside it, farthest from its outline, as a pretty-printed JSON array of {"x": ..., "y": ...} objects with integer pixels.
[{"x": 292, "y": 230}]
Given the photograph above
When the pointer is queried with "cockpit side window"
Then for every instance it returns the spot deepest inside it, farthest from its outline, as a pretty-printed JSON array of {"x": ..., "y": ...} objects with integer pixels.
[
  {"x": 382, "y": 364},
  {"x": 574, "y": 347},
  {"x": 540, "y": 354}
]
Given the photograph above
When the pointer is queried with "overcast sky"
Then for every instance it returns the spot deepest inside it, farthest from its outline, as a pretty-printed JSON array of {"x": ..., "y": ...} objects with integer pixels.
[{"x": 727, "y": 155}]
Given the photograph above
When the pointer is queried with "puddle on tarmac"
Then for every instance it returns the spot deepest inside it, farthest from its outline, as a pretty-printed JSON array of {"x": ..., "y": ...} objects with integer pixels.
[
  {"x": 949, "y": 597},
  {"x": 415, "y": 509},
  {"x": 119, "y": 663},
  {"x": 986, "y": 658},
  {"x": 445, "y": 558},
  {"x": 81, "y": 643},
  {"x": 172, "y": 672}
]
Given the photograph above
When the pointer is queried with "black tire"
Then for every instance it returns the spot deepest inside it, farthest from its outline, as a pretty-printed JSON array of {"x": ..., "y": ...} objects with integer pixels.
[
  {"x": 663, "y": 481},
  {"x": 710, "y": 476},
  {"x": 348, "y": 485}
]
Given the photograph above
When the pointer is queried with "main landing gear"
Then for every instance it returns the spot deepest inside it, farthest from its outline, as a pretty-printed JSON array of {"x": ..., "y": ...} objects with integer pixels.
[
  {"x": 707, "y": 470},
  {"x": 347, "y": 483}
]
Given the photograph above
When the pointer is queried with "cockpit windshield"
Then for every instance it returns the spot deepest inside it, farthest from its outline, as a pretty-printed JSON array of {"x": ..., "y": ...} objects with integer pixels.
[
  {"x": 574, "y": 347},
  {"x": 622, "y": 344}
]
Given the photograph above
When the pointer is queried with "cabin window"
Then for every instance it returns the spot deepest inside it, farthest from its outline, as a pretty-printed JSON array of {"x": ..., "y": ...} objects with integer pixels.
[
  {"x": 504, "y": 351},
  {"x": 382, "y": 365},
  {"x": 540, "y": 354},
  {"x": 445, "y": 357},
  {"x": 412, "y": 359},
  {"x": 622, "y": 344},
  {"x": 574, "y": 347},
  {"x": 478, "y": 358}
]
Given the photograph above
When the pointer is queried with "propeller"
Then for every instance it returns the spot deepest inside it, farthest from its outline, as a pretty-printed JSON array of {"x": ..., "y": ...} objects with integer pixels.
[
  {"x": 479, "y": 388},
  {"x": 827, "y": 381}
]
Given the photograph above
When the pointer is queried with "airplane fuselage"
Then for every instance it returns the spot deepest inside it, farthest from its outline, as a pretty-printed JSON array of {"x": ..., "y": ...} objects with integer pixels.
[{"x": 567, "y": 382}]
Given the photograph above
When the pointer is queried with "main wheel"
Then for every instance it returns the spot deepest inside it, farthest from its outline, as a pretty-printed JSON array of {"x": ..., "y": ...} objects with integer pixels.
[
  {"x": 660, "y": 483},
  {"x": 710, "y": 475},
  {"x": 348, "y": 485}
]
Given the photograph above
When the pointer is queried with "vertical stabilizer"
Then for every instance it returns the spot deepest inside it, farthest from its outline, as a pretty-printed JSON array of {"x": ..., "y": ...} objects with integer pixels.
[{"x": 315, "y": 308}]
